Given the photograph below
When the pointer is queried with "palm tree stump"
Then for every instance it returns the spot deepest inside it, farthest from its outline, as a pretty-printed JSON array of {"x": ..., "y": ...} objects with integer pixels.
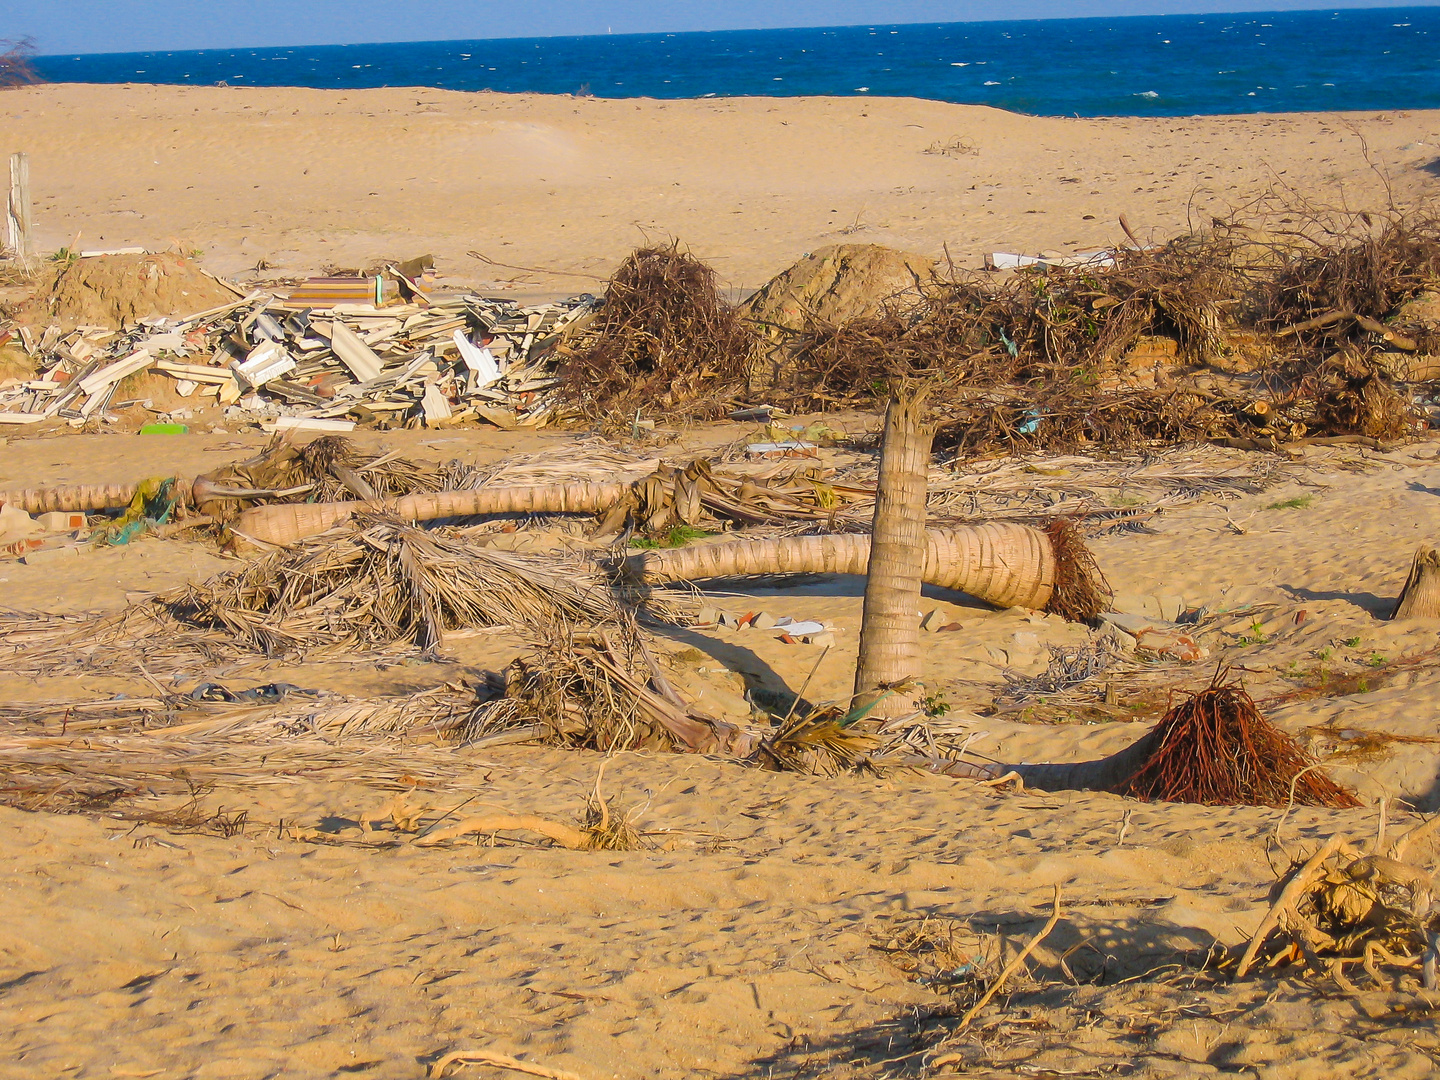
[
  {"x": 1420, "y": 598},
  {"x": 889, "y": 666}
]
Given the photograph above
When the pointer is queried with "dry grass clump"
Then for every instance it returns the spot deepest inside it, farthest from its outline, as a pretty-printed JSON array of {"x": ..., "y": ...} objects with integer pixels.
[
  {"x": 667, "y": 339},
  {"x": 584, "y": 690},
  {"x": 1216, "y": 749},
  {"x": 377, "y": 581}
]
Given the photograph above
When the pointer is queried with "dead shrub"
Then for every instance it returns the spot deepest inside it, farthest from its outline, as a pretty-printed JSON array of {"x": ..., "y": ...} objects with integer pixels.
[{"x": 667, "y": 339}]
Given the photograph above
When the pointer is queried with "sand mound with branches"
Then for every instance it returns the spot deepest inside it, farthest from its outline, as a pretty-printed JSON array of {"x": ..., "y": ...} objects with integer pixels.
[
  {"x": 834, "y": 285},
  {"x": 117, "y": 291}
]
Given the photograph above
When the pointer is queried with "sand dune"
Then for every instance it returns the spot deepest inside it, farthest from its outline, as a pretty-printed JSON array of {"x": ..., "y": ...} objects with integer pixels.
[{"x": 300, "y": 178}]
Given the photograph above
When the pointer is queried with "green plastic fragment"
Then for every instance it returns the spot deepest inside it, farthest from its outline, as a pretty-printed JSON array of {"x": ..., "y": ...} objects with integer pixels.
[{"x": 165, "y": 429}]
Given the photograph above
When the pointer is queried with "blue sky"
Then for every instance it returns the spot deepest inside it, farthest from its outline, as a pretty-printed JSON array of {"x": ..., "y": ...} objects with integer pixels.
[{"x": 89, "y": 26}]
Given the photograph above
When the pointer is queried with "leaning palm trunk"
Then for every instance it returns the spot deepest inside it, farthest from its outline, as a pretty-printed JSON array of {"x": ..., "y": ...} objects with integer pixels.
[
  {"x": 889, "y": 662},
  {"x": 279, "y": 524},
  {"x": 1002, "y": 563}
]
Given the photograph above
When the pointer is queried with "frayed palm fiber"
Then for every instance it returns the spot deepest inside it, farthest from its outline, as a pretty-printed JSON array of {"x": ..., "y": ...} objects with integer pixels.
[
  {"x": 375, "y": 581},
  {"x": 1081, "y": 591},
  {"x": 328, "y": 469},
  {"x": 1216, "y": 749},
  {"x": 667, "y": 339}
]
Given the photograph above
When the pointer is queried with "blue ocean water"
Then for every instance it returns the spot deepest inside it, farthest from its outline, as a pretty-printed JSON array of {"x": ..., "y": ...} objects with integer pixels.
[{"x": 1157, "y": 66}]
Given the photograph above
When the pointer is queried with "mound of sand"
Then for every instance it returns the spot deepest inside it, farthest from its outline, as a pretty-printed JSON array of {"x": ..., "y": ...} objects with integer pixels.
[
  {"x": 117, "y": 291},
  {"x": 838, "y": 284}
]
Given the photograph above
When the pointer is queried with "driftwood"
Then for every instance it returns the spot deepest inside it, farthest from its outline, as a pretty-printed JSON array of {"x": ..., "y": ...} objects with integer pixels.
[
  {"x": 1341, "y": 906},
  {"x": 1420, "y": 598}
]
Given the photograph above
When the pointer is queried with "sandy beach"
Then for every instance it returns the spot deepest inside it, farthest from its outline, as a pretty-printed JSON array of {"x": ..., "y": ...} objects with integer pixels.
[
  {"x": 300, "y": 179},
  {"x": 238, "y": 919}
]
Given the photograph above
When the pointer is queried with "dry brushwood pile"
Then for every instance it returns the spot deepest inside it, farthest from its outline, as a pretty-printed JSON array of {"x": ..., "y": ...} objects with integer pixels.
[
  {"x": 667, "y": 339},
  {"x": 1238, "y": 333},
  {"x": 1343, "y": 907}
]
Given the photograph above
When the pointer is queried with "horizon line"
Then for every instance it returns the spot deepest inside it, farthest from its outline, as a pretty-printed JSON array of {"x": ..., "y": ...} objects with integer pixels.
[{"x": 742, "y": 30}]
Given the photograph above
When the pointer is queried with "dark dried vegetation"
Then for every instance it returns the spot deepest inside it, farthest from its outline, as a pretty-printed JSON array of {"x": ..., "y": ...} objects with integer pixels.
[
  {"x": 1215, "y": 748},
  {"x": 667, "y": 338},
  {"x": 1284, "y": 327}
]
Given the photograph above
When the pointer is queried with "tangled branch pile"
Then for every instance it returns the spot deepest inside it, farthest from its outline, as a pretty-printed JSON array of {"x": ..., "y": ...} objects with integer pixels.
[
  {"x": 16, "y": 68},
  {"x": 1342, "y": 908},
  {"x": 1180, "y": 343},
  {"x": 667, "y": 338}
]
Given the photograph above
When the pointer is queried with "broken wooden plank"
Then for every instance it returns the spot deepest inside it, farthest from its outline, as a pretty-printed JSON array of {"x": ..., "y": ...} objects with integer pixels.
[
  {"x": 113, "y": 373},
  {"x": 354, "y": 353}
]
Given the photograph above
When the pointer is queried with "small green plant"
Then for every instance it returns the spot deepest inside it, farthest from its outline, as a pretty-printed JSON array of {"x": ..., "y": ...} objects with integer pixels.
[
  {"x": 1300, "y": 502},
  {"x": 64, "y": 255},
  {"x": 1323, "y": 655},
  {"x": 195, "y": 253},
  {"x": 1256, "y": 635},
  {"x": 1375, "y": 660},
  {"x": 1362, "y": 687},
  {"x": 935, "y": 705},
  {"x": 679, "y": 536},
  {"x": 1352, "y": 642}
]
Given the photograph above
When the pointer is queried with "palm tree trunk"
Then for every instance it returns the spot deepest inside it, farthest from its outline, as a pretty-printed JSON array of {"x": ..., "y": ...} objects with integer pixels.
[
  {"x": 889, "y": 666},
  {"x": 284, "y": 523},
  {"x": 1003, "y": 563}
]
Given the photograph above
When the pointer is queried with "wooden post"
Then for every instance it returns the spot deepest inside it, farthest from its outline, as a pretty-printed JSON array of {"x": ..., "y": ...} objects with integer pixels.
[{"x": 17, "y": 216}]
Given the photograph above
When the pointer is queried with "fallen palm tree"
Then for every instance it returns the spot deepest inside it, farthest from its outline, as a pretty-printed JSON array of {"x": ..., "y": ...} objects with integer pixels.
[
  {"x": 324, "y": 470},
  {"x": 1005, "y": 564},
  {"x": 670, "y": 496},
  {"x": 281, "y": 524}
]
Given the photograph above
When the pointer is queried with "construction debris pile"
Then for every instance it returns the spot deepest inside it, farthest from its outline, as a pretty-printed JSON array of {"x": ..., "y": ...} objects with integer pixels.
[{"x": 323, "y": 356}]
